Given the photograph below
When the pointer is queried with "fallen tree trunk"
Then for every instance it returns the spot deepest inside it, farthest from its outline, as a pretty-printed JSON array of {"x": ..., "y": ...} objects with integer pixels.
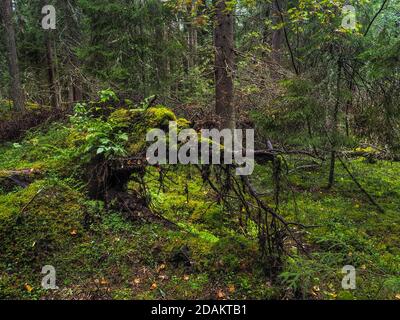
[{"x": 21, "y": 178}]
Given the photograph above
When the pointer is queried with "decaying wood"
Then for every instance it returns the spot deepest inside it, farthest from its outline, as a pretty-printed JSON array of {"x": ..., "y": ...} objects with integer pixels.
[{"x": 21, "y": 178}]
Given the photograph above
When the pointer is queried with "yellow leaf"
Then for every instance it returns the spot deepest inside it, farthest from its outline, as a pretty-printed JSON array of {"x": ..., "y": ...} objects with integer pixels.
[
  {"x": 73, "y": 232},
  {"x": 103, "y": 281},
  {"x": 397, "y": 296},
  {"x": 231, "y": 288},
  {"x": 136, "y": 281},
  {"x": 161, "y": 267},
  {"x": 153, "y": 286},
  {"x": 28, "y": 287}
]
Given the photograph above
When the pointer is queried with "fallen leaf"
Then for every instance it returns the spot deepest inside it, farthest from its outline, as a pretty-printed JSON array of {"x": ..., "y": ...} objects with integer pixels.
[
  {"x": 103, "y": 281},
  {"x": 313, "y": 293},
  {"x": 161, "y": 267},
  {"x": 186, "y": 277},
  {"x": 73, "y": 232},
  {"x": 220, "y": 294},
  {"x": 153, "y": 286},
  {"x": 231, "y": 288},
  {"x": 28, "y": 287},
  {"x": 397, "y": 296},
  {"x": 136, "y": 281}
]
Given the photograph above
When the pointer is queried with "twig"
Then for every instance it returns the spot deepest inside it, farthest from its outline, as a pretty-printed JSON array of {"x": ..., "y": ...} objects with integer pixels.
[
  {"x": 359, "y": 186},
  {"x": 287, "y": 39},
  {"x": 376, "y": 15},
  {"x": 30, "y": 201}
]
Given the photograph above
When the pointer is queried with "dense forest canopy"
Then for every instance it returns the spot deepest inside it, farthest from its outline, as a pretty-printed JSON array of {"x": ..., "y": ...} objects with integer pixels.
[{"x": 83, "y": 81}]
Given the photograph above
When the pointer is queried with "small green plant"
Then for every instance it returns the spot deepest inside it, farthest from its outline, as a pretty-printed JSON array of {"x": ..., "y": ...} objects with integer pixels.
[
  {"x": 146, "y": 103},
  {"x": 107, "y": 95},
  {"x": 81, "y": 114},
  {"x": 102, "y": 139}
]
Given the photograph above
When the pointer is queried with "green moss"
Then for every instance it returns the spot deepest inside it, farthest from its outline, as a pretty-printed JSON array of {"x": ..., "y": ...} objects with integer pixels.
[
  {"x": 128, "y": 102},
  {"x": 183, "y": 123},
  {"x": 235, "y": 253},
  {"x": 122, "y": 294},
  {"x": 159, "y": 117},
  {"x": 120, "y": 117},
  {"x": 37, "y": 221}
]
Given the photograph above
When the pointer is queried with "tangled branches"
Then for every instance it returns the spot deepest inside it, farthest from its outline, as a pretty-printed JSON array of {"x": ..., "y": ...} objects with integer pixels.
[{"x": 241, "y": 199}]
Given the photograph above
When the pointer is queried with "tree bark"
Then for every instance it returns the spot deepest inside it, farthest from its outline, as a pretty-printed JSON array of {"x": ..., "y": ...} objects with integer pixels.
[
  {"x": 54, "y": 90},
  {"x": 334, "y": 126},
  {"x": 277, "y": 34},
  {"x": 16, "y": 92},
  {"x": 191, "y": 38},
  {"x": 224, "y": 63},
  {"x": 71, "y": 37}
]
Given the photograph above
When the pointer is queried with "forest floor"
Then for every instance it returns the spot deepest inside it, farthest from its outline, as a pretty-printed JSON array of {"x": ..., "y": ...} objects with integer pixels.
[{"x": 100, "y": 254}]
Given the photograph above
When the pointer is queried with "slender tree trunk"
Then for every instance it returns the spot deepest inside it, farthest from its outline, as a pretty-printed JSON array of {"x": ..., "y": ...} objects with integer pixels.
[
  {"x": 16, "y": 92},
  {"x": 334, "y": 129},
  {"x": 71, "y": 37},
  {"x": 192, "y": 44},
  {"x": 166, "y": 66},
  {"x": 277, "y": 34},
  {"x": 349, "y": 106},
  {"x": 224, "y": 63},
  {"x": 265, "y": 10},
  {"x": 191, "y": 38},
  {"x": 70, "y": 98},
  {"x": 54, "y": 89}
]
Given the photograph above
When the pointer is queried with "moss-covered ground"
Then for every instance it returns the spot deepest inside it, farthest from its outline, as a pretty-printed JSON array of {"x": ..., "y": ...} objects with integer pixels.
[{"x": 99, "y": 254}]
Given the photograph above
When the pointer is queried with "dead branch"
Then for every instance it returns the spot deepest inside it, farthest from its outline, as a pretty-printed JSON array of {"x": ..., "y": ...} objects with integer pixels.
[{"x": 360, "y": 187}]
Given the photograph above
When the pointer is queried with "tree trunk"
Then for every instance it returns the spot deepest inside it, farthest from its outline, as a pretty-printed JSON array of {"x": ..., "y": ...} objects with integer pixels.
[
  {"x": 349, "y": 107},
  {"x": 277, "y": 34},
  {"x": 15, "y": 90},
  {"x": 69, "y": 41},
  {"x": 224, "y": 63},
  {"x": 265, "y": 11},
  {"x": 54, "y": 90},
  {"x": 334, "y": 126},
  {"x": 192, "y": 45},
  {"x": 191, "y": 37}
]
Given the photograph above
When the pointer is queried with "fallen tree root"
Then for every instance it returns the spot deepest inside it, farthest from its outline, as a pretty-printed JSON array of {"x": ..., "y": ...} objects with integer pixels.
[{"x": 239, "y": 197}]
